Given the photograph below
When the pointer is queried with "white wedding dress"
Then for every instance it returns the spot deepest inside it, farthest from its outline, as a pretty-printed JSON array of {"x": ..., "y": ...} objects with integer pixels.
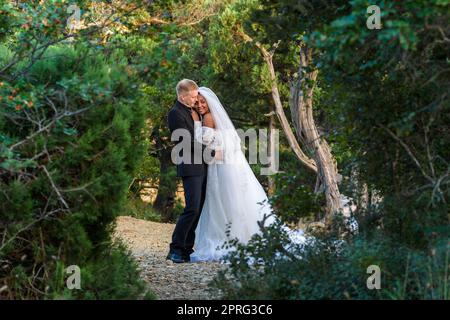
[{"x": 235, "y": 200}]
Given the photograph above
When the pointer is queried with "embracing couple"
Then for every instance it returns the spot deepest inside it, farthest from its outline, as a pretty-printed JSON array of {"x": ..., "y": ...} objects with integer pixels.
[{"x": 224, "y": 200}]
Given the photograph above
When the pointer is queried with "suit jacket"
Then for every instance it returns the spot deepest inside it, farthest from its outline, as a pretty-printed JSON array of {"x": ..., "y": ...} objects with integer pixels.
[{"x": 179, "y": 117}]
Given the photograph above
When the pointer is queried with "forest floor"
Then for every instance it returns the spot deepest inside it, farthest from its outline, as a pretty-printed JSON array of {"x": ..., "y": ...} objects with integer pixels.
[{"x": 149, "y": 244}]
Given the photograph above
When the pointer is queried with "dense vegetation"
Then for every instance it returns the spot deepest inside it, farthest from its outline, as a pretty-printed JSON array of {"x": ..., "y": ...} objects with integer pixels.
[
  {"x": 83, "y": 133},
  {"x": 384, "y": 99},
  {"x": 71, "y": 126}
]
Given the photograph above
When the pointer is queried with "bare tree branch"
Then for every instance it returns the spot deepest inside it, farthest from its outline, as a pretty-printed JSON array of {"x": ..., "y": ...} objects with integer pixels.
[
  {"x": 308, "y": 162},
  {"x": 408, "y": 150}
]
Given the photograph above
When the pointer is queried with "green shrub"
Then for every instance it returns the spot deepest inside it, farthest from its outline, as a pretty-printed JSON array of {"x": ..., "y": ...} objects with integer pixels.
[
  {"x": 63, "y": 186},
  {"x": 294, "y": 198},
  {"x": 139, "y": 209},
  {"x": 114, "y": 275},
  {"x": 327, "y": 268}
]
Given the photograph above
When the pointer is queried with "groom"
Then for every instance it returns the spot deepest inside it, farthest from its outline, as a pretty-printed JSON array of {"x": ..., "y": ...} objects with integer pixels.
[{"x": 193, "y": 174}]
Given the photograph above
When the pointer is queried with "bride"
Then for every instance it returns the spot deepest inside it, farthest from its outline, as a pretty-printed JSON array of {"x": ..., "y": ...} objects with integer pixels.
[{"x": 235, "y": 200}]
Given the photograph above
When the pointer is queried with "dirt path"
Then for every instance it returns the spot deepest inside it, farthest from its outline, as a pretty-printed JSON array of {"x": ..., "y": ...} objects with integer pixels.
[{"x": 149, "y": 243}]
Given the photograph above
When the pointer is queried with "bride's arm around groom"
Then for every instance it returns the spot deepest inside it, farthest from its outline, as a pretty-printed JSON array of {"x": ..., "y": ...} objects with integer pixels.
[{"x": 205, "y": 133}]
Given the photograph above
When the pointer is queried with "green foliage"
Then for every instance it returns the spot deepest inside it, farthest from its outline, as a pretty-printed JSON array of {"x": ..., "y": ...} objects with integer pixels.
[
  {"x": 71, "y": 127},
  {"x": 114, "y": 275},
  {"x": 294, "y": 198},
  {"x": 235, "y": 71},
  {"x": 83, "y": 126},
  {"x": 390, "y": 111},
  {"x": 327, "y": 268},
  {"x": 381, "y": 102},
  {"x": 141, "y": 210}
]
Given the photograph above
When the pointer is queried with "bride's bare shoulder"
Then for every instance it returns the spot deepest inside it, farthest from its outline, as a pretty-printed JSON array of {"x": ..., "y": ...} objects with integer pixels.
[{"x": 208, "y": 120}]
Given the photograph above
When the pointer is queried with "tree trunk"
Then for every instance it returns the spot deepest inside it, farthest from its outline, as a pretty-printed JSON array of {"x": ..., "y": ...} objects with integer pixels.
[
  {"x": 318, "y": 157},
  {"x": 308, "y": 162},
  {"x": 301, "y": 105},
  {"x": 165, "y": 199},
  {"x": 271, "y": 151},
  {"x": 322, "y": 160},
  {"x": 293, "y": 143}
]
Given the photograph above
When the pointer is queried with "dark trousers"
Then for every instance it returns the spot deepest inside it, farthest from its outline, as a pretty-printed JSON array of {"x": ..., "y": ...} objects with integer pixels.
[{"x": 184, "y": 234}]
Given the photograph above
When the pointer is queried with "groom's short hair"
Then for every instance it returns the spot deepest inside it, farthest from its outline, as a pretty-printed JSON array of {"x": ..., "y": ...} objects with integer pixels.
[{"x": 186, "y": 85}]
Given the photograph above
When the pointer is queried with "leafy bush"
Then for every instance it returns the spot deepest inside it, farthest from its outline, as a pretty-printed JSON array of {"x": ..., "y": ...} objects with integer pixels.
[
  {"x": 327, "y": 268},
  {"x": 390, "y": 113},
  {"x": 114, "y": 275},
  {"x": 387, "y": 117},
  {"x": 71, "y": 133},
  {"x": 141, "y": 210},
  {"x": 294, "y": 198}
]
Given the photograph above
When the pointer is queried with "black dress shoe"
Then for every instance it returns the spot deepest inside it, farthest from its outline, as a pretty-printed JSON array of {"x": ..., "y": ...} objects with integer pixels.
[
  {"x": 187, "y": 257},
  {"x": 176, "y": 258}
]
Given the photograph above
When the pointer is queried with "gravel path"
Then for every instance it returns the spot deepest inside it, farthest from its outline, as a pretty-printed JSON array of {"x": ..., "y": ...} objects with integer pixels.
[{"x": 149, "y": 243}]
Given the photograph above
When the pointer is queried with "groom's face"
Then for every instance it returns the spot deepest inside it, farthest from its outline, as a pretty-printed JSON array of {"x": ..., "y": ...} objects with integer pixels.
[{"x": 190, "y": 98}]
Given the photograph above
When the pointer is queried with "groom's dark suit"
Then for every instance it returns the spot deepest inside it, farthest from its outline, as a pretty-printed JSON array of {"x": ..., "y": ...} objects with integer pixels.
[{"x": 194, "y": 183}]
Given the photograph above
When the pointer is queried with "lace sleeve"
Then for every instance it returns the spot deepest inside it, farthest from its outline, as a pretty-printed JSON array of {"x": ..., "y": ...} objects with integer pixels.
[
  {"x": 198, "y": 134},
  {"x": 216, "y": 141},
  {"x": 205, "y": 135},
  {"x": 208, "y": 136}
]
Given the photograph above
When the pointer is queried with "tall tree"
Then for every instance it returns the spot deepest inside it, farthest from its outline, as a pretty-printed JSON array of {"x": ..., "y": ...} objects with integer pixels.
[{"x": 273, "y": 23}]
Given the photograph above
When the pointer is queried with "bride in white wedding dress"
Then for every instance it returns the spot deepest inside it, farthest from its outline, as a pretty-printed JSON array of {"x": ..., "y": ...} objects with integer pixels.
[{"x": 235, "y": 200}]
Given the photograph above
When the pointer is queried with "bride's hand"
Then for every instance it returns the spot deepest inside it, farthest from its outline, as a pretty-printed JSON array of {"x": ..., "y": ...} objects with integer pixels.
[{"x": 218, "y": 155}]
